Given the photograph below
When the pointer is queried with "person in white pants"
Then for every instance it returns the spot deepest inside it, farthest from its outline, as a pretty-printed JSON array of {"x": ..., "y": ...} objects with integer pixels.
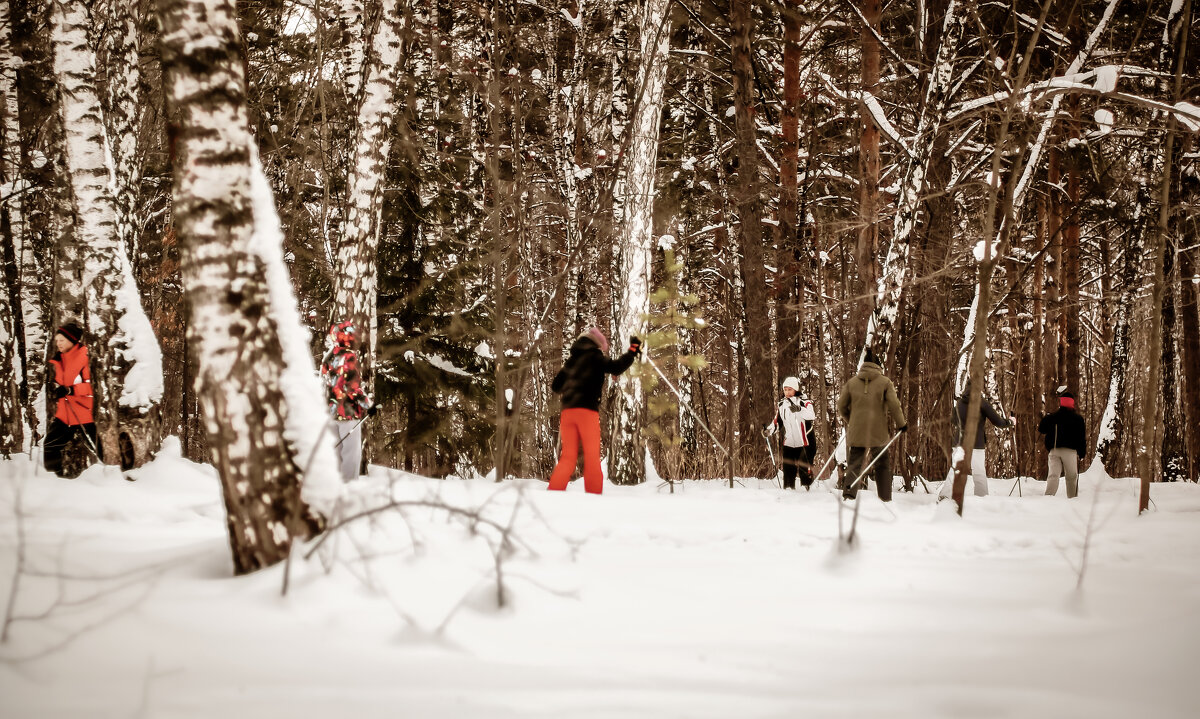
[{"x": 978, "y": 454}]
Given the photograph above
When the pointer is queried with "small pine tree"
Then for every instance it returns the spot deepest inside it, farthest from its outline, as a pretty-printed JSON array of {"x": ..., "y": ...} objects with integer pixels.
[{"x": 671, "y": 431}]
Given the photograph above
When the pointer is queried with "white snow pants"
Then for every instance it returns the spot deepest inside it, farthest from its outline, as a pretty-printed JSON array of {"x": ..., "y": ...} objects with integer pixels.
[
  {"x": 978, "y": 476},
  {"x": 350, "y": 450},
  {"x": 1062, "y": 462}
]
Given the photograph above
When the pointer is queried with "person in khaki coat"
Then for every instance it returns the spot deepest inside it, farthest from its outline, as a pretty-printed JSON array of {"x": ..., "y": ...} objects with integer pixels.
[{"x": 865, "y": 404}]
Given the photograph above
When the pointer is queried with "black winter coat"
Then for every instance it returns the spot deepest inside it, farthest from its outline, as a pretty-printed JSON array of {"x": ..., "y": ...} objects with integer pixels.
[
  {"x": 986, "y": 414},
  {"x": 1064, "y": 428},
  {"x": 581, "y": 379}
]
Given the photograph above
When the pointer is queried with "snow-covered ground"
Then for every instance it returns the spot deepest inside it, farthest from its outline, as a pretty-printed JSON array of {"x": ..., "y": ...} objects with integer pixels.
[{"x": 709, "y": 602}]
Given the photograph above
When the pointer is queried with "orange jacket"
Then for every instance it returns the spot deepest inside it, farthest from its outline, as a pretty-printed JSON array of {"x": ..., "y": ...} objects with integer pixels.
[{"x": 71, "y": 370}]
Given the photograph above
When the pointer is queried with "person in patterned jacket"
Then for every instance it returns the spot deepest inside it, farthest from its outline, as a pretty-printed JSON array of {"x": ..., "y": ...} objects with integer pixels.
[{"x": 348, "y": 403}]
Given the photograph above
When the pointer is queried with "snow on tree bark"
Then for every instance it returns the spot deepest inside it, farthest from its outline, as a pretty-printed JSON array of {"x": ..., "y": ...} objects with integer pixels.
[
  {"x": 121, "y": 102},
  {"x": 127, "y": 380},
  {"x": 12, "y": 368},
  {"x": 937, "y": 98},
  {"x": 1112, "y": 430},
  {"x": 636, "y": 233},
  {"x": 358, "y": 246},
  {"x": 232, "y": 329}
]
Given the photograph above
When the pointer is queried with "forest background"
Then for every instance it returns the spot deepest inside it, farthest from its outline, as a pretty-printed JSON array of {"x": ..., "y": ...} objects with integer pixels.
[{"x": 759, "y": 189}]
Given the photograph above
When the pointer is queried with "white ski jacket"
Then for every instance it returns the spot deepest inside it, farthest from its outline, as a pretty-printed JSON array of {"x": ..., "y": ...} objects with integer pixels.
[{"x": 796, "y": 416}]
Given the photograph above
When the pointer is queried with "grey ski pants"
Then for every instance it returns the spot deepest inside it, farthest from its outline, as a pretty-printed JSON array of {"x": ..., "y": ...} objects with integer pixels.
[
  {"x": 350, "y": 450},
  {"x": 1062, "y": 462}
]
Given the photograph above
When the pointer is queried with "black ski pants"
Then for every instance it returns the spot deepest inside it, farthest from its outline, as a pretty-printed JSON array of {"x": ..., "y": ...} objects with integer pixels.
[
  {"x": 58, "y": 436},
  {"x": 797, "y": 461},
  {"x": 881, "y": 472}
]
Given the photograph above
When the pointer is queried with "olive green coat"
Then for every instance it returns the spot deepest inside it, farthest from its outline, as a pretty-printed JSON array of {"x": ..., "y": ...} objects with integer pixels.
[{"x": 865, "y": 402}]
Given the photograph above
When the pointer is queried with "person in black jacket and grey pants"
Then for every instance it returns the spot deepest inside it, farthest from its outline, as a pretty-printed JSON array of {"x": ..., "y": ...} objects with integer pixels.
[{"x": 1066, "y": 442}]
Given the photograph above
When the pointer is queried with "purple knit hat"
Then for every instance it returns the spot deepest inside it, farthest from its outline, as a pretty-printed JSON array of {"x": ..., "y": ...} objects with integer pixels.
[{"x": 598, "y": 337}]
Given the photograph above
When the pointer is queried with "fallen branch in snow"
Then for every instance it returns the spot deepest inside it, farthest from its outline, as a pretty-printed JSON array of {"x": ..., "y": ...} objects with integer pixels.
[{"x": 501, "y": 535}]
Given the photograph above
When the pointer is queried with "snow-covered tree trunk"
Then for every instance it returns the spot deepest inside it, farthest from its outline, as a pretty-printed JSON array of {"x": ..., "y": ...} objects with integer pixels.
[
  {"x": 12, "y": 435},
  {"x": 127, "y": 380},
  {"x": 122, "y": 105},
  {"x": 636, "y": 233},
  {"x": 357, "y": 274},
  {"x": 912, "y": 188},
  {"x": 234, "y": 333},
  {"x": 12, "y": 368},
  {"x": 757, "y": 346},
  {"x": 1112, "y": 432}
]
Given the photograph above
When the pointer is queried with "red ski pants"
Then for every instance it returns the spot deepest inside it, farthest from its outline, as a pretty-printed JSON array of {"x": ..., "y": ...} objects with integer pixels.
[{"x": 577, "y": 426}]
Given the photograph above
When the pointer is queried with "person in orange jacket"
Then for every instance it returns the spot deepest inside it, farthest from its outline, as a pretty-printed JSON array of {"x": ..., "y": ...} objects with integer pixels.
[{"x": 71, "y": 387}]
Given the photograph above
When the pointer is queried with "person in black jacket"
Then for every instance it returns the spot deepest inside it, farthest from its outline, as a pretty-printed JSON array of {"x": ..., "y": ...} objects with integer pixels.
[
  {"x": 1066, "y": 441},
  {"x": 978, "y": 458},
  {"x": 580, "y": 383}
]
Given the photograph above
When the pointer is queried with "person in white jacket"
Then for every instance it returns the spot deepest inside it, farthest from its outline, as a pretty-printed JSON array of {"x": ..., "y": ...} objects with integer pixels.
[{"x": 797, "y": 418}]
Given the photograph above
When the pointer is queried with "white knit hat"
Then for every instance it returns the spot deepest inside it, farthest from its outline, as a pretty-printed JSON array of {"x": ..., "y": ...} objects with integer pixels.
[{"x": 792, "y": 382}]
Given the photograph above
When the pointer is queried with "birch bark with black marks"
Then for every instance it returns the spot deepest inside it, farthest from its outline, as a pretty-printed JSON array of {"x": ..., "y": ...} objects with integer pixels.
[
  {"x": 126, "y": 361},
  {"x": 358, "y": 245},
  {"x": 627, "y": 463},
  {"x": 12, "y": 365},
  {"x": 232, "y": 329}
]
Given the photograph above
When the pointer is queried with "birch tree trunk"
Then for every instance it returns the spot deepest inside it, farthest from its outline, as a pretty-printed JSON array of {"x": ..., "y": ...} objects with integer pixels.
[
  {"x": 357, "y": 276},
  {"x": 1113, "y": 429},
  {"x": 628, "y": 451},
  {"x": 916, "y": 166},
  {"x": 127, "y": 380},
  {"x": 232, "y": 329},
  {"x": 12, "y": 365},
  {"x": 12, "y": 435},
  {"x": 757, "y": 346}
]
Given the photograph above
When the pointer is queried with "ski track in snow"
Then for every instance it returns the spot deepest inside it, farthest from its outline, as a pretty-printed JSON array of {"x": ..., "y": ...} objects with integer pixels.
[{"x": 709, "y": 602}]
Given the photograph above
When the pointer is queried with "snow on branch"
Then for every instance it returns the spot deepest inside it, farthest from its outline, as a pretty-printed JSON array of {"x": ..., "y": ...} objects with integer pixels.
[{"x": 881, "y": 121}]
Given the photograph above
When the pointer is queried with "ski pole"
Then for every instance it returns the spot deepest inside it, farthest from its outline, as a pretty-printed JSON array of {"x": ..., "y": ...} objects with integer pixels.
[
  {"x": 356, "y": 426},
  {"x": 770, "y": 449},
  {"x": 87, "y": 438},
  {"x": 687, "y": 406},
  {"x": 866, "y": 469}
]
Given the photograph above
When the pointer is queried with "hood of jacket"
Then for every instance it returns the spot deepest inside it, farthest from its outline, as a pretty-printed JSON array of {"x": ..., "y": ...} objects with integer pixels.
[{"x": 869, "y": 371}]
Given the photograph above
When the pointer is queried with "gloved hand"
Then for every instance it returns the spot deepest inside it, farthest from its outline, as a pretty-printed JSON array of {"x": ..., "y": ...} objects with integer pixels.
[
  {"x": 635, "y": 345},
  {"x": 372, "y": 410},
  {"x": 902, "y": 428},
  {"x": 61, "y": 391},
  {"x": 1012, "y": 421},
  {"x": 769, "y": 428}
]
